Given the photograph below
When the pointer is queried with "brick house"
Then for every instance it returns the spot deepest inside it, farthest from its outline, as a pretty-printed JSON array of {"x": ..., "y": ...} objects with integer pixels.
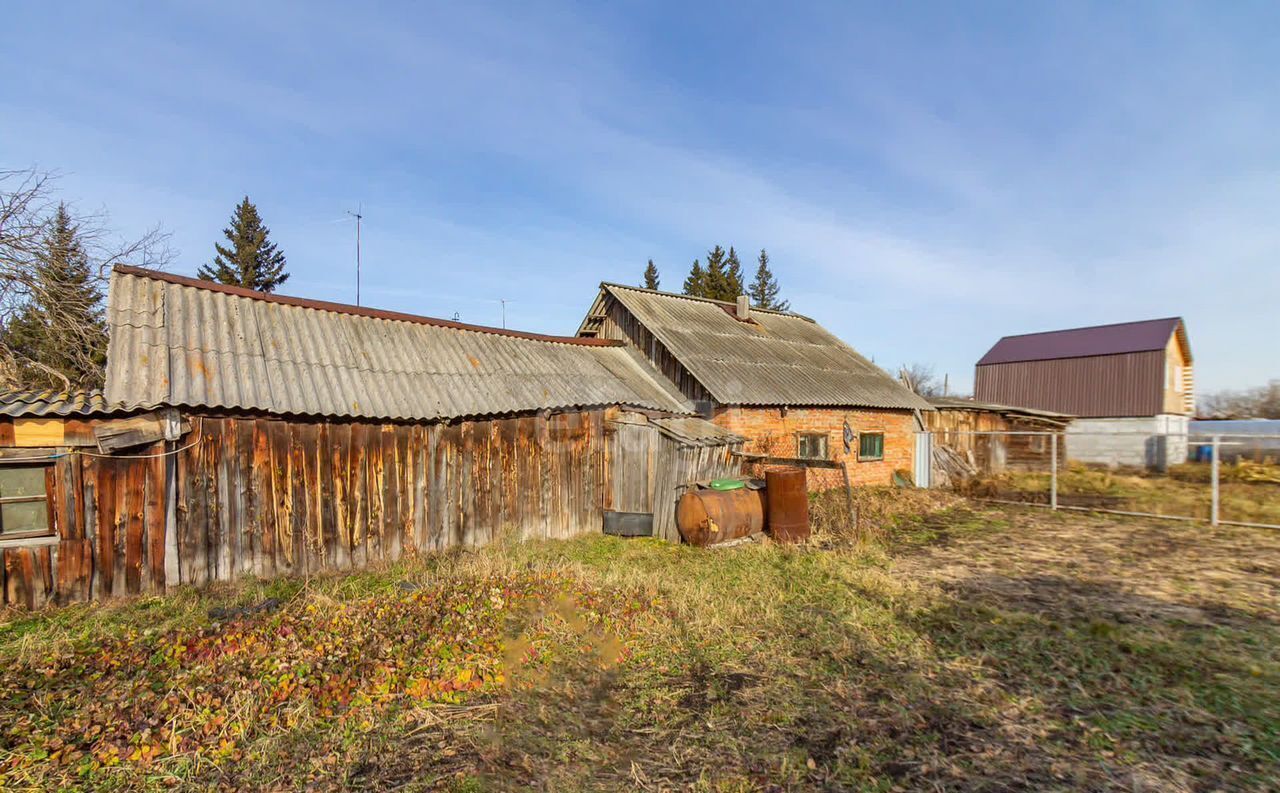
[{"x": 781, "y": 380}]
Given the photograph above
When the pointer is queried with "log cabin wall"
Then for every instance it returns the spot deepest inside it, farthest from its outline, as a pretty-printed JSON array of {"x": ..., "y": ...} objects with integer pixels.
[{"x": 270, "y": 497}]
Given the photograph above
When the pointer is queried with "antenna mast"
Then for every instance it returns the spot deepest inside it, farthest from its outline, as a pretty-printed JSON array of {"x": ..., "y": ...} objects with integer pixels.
[{"x": 358, "y": 216}]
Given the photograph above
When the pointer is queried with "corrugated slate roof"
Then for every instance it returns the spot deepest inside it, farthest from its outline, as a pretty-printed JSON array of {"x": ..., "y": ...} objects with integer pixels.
[
  {"x": 1123, "y": 337},
  {"x": 778, "y": 358},
  {"x": 39, "y": 404},
  {"x": 180, "y": 341},
  {"x": 694, "y": 431},
  {"x": 962, "y": 403}
]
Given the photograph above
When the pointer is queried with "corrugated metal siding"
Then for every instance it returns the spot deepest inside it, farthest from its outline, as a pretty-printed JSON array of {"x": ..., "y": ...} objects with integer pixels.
[
  {"x": 184, "y": 345},
  {"x": 779, "y": 359},
  {"x": 1130, "y": 384}
]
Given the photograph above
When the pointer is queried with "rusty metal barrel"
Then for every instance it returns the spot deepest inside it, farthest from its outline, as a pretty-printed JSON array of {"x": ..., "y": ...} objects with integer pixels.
[
  {"x": 787, "y": 497},
  {"x": 707, "y": 517}
]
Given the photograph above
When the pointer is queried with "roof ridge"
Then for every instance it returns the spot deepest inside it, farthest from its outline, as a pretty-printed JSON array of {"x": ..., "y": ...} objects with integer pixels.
[
  {"x": 358, "y": 311},
  {"x": 661, "y": 293},
  {"x": 1093, "y": 327}
]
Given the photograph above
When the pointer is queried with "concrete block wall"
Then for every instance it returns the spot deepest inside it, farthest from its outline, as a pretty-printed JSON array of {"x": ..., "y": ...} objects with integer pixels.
[
  {"x": 1143, "y": 441},
  {"x": 772, "y": 431}
]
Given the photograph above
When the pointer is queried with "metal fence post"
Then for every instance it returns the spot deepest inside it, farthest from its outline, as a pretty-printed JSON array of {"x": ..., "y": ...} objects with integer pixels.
[
  {"x": 1053, "y": 471},
  {"x": 1214, "y": 467}
]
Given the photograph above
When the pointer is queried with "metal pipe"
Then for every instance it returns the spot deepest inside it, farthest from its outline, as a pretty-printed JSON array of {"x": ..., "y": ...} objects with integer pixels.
[{"x": 1104, "y": 509}]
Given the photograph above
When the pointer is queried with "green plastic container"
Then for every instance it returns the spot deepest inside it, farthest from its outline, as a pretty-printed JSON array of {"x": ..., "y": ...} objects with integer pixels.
[{"x": 727, "y": 484}]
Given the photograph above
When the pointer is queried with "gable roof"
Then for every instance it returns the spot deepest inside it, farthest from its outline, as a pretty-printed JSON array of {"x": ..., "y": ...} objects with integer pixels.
[
  {"x": 776, "y": 358},
  {"x": 181, "y": 341},
  {"x": 1123, "y": 337}
]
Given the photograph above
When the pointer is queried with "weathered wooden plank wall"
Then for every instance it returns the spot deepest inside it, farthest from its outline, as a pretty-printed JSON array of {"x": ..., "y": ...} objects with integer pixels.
[
  {"x": 109, "y": 526},
  {"x": 647, "y": 471},
  {"x": 620, "y": 324},
  {"x": 273, "y": 497},
  {"x": 270, "y": 497},
  {"x": 677, "y": 466}
]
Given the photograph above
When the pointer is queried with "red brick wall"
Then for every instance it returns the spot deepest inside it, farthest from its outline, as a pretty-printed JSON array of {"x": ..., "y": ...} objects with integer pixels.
[{"x": 773, "y": 431}]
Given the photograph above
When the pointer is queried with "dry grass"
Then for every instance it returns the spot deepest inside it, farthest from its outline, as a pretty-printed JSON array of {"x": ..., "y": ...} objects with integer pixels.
[
  {"x": 867, "y": 516},
  {"x": 971, "y": 650},
  {"x": 1246, "y": 492}
]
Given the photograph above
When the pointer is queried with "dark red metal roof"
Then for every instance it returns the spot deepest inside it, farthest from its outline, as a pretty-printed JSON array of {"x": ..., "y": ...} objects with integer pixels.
[{"x": 1124, "y": 337}]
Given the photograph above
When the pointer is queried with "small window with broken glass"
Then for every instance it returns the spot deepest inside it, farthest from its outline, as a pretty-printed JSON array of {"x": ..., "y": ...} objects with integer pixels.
[{"x": 24, "y": 501}]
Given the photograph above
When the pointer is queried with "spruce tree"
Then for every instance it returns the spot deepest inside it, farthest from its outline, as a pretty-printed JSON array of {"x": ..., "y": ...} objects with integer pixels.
[
  {"x": 58, "y": 338},
  {"x": 651, "y": 280},
  {"x": 764, "y": 289},
  {"x": 715, "y": 284},
  {"x": 734, "y": 282},
  {"x": 696, "y": 283},
  {"x": 251, "y": 260}
]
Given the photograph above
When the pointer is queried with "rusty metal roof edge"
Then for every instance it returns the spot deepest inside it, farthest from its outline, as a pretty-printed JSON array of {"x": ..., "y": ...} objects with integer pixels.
[{"x": 362, "y": 311}]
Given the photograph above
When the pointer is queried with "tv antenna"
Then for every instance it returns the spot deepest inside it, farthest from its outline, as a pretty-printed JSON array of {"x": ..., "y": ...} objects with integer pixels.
[
  {"x": 359, "y": 217},
  {"x": 504, "y": 301}
]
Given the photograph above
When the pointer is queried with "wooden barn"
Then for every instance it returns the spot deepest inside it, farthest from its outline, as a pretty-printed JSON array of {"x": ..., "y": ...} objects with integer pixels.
[{"x": 242, "y": 433}]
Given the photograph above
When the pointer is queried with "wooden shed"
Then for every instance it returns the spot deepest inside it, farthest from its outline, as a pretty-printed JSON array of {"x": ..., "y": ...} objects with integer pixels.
[
  {"x": 249, "y": 434},
  {"x": 990, "y": 437}
]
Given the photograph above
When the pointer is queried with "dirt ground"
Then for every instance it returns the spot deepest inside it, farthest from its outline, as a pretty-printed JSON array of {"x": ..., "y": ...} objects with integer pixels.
[{"x": 1127, "y": 569}]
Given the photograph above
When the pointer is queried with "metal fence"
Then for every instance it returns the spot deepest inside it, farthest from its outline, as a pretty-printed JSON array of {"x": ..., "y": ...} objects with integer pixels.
[{"x": 1221, "y": 479}]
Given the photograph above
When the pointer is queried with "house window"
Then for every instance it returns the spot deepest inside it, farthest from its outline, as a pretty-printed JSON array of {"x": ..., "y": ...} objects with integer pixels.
[
  {"x": 811, "y": 445},
  {"x": 24, "y": 501},
  {"x": 870, "y": 446}
]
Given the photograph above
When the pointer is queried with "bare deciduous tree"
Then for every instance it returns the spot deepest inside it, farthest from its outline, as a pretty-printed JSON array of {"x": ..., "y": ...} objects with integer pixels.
[
  {"x": 1262, "y": 402},
  {"x": 28, "y": 209},
  {"x": 921, "y": 379}
]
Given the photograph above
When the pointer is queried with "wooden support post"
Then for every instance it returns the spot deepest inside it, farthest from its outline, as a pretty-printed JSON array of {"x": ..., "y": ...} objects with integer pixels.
[{"x": 848, "y": 497}]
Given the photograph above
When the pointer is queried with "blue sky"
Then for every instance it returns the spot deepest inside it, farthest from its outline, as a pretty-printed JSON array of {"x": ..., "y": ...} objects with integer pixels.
[{"x": 927, "y": 177}]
